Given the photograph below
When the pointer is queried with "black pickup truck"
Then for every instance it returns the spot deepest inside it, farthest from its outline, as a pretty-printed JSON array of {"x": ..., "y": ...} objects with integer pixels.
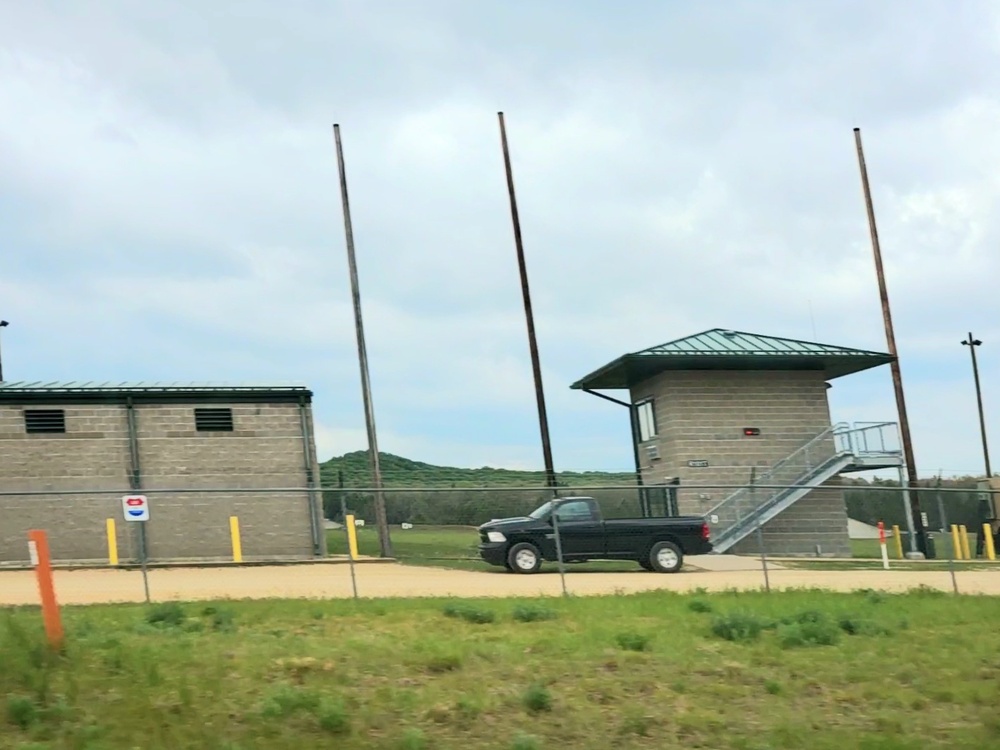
[{"x": 657, "y": 544}]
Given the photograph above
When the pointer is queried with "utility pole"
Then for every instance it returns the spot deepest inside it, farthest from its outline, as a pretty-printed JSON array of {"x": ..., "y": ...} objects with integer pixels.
[
  {"x": 381, "y": 521},
  {"x": 543, "y": 421},
  {"x": 972, "y": 343},
  {"x": 897, "y": 377},
  {"x": 3, "y": 324}
]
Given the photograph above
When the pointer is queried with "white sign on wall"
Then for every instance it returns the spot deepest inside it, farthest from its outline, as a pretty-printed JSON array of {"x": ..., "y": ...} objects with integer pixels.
[{"x": 135, "y": 507}]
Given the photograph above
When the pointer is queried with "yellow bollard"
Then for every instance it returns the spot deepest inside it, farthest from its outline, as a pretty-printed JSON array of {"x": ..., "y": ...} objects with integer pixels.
[
  {"x": 956, "y": 544},
  {"x": 352, "y": 536},
  {"x": 964, "y": 538},
  {"x": 112, "y": 542},
  {"x": 897, "y": 541},
  {"x": 991, "y": 553},
  {"x": 234, "y": 532}
]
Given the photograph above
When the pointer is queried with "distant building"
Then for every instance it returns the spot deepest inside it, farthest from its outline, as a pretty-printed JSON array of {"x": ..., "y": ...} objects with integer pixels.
[
  {"x": 726, "y": 408},
  {"x": 100, "y": 440}
]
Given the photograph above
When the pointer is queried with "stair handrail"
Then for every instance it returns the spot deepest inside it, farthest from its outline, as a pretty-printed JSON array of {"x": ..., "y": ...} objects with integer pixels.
[
  {"x": 777, "y": 496},
  {"x": 802, "y": 449}
]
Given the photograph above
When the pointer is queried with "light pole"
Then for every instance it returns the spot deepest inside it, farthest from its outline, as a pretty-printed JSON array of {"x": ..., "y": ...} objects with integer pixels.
[
  {"x": 992, "y": 514},
  {"x": 3, "y": 324},
  {"x": 972, "y": 343}
]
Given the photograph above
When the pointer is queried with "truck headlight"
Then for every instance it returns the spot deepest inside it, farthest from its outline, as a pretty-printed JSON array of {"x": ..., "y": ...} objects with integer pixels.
[{"x": 495, "y": 536}]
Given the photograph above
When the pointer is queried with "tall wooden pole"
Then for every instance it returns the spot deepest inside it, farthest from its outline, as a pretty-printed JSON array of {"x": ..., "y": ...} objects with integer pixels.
[
  {"x": 381, "y": 521},
  {"x": 543, "y": 421},
  {"x": 897, "y": 376}
]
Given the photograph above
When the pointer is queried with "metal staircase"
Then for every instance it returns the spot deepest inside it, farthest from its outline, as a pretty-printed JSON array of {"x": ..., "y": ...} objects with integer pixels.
[{"x": 839, "y": 449}]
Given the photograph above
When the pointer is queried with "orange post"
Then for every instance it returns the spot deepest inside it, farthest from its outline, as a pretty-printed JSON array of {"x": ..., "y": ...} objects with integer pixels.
[{"x": 38, "y": 546}]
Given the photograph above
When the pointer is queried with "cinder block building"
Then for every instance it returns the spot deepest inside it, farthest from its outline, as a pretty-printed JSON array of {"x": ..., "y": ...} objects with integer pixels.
[
  {"x": 718, "y": 415},
  {"x": 77, "y": 447}
]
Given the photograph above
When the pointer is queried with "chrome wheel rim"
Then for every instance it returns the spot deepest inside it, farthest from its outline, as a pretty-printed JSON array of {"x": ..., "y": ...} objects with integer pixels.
[
  {"x": 525, "y": 559},
  {"x": 666, "y": 557}
]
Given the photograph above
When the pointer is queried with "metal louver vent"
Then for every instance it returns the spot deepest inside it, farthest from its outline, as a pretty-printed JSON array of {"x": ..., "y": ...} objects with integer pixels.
[
  {"x": 44, "y": 420},
  {"x": 213, "y": 420}
]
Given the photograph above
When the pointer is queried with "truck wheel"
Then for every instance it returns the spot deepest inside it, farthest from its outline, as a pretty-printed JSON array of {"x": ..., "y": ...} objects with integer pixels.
[
  {"x": 524, "y": 558},
  {"x": 646, "y": 565},
  {"x": 666, "y": 557}
]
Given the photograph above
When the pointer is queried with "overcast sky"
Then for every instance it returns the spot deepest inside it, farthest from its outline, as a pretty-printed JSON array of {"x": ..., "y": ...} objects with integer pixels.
[{"x": 169, "y": 207}]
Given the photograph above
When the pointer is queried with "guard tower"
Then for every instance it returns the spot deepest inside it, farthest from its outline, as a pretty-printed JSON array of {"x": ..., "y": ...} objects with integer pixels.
[{"x": 734, "y": 412}]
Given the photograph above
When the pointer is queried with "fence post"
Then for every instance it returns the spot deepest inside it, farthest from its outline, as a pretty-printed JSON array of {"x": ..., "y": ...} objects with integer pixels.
[
  {"x": 352, "y": 542},
  {"x": 881, "y": 544},
  {"x": 559, "y": 555},
  {"x": 944, "y": 526}
]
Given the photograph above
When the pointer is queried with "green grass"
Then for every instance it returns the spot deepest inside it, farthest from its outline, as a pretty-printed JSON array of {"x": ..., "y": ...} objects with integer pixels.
[{"x": 749, "y": 672}]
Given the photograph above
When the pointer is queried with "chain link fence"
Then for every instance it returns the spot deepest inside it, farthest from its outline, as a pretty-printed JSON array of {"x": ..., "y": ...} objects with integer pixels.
[{"x": 765, "y": 528}]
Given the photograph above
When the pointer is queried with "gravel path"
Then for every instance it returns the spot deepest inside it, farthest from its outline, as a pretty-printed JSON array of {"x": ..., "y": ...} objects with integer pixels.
[{"x": 391, "y": 580}]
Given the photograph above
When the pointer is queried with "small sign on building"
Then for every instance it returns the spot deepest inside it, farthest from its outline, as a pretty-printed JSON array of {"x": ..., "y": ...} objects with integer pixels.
[
  {"x": 699, "y": 463},
  {"x": 135, "y": 507}
]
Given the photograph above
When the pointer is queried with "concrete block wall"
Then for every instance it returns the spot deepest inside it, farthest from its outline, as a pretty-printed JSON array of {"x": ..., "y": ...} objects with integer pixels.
[
  {"x": 701, "y": 415},
  {"x": 265, "y": 450},
  {"x": 819, "y": 518}
]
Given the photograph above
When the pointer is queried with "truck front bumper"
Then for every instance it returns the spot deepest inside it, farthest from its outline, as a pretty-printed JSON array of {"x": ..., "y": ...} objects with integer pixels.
[{"x": 495, "y": 553}]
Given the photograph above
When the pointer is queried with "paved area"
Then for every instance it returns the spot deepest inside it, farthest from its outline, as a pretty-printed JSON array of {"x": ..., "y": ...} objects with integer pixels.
[{"x": 392, "y": 580}]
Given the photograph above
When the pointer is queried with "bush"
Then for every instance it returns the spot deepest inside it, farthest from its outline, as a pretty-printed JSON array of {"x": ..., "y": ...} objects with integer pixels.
[
  {"x": 333, "y": 718},
  {"x": 470, "y": 613},
  {"x": 529, "y": 613},
  {"x": 537, "y": 698},
  {"x": 525, "y": 742},
  {"x": 633, "y": 641},
  {"x": 700, "y": 605},
  {"x": 170, "y": 614},
  {"x": 738, "y": 627},
  {"x": 809, "y": 633},
  {"x": 287, "y": 700},
  {"x": 21, "y": 711},
  {"x": 855, "y": 626}
]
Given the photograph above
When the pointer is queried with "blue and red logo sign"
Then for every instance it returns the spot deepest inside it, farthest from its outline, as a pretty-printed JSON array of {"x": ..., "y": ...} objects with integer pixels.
[{"x": 136, "y": 508}]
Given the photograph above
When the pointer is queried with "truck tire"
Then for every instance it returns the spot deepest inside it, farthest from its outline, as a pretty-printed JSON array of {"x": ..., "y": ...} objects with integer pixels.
[
  {"x": 666, "y": 557},
  {"x": 524, "y": 557},
  {"x": 646, "y": 565}
]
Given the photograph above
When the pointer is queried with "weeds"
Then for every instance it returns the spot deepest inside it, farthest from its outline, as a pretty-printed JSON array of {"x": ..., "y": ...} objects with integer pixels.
[
  {"x": 821, "y": 632},
  {"x": 333, "y": 718},
  {"x": 738, "y": 627},
  {"x": 167, "y": 614},
  {"x": 537, "y": 699},
  {"x": 633, "y": 641},
  {"x": 470, "y": 613},
  {"x": 700, "y": 605},
  {"x": 525, "y": 742},
  {"x": 21, "y": 711},
  {"x": 288, "y": 700},
  {"x": 413, "y": 739},
  {"x": 530, "y": 613}
]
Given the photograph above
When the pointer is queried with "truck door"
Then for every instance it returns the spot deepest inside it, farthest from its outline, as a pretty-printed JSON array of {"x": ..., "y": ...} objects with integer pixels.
[{"x": 581, "y": 530}]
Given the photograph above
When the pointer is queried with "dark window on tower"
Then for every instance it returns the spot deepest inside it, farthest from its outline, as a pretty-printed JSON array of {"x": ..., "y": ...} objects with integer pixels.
[
  {"x": 213, "y": 420},
  {"x": 44, "y": 420}
]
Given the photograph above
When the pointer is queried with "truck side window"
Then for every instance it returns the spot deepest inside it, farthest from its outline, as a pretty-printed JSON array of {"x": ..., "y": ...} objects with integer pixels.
[{"x": 575, "y": 511}]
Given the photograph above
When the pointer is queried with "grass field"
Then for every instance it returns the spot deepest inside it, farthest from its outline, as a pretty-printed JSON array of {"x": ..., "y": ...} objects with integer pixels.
[
  {"x": 455, "y": 547},
  {"x": 724, "y": 671}
]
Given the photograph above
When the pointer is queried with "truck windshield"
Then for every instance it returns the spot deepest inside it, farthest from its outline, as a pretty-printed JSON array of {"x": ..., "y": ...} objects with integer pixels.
[{"x": 541, "y": 511}]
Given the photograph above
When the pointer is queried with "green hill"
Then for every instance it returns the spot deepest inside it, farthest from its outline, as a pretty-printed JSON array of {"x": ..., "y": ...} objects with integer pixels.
[{"x": 402, "y": 472}]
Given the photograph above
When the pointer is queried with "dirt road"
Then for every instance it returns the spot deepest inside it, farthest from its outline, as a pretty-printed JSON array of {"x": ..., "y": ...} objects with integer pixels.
[{"x": 392, "y": 580}]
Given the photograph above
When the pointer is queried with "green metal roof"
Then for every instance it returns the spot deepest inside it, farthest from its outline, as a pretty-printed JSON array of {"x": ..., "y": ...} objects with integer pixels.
[
  {"x": 725, "y": 349},
  {"x": 148, "y": 392}
]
